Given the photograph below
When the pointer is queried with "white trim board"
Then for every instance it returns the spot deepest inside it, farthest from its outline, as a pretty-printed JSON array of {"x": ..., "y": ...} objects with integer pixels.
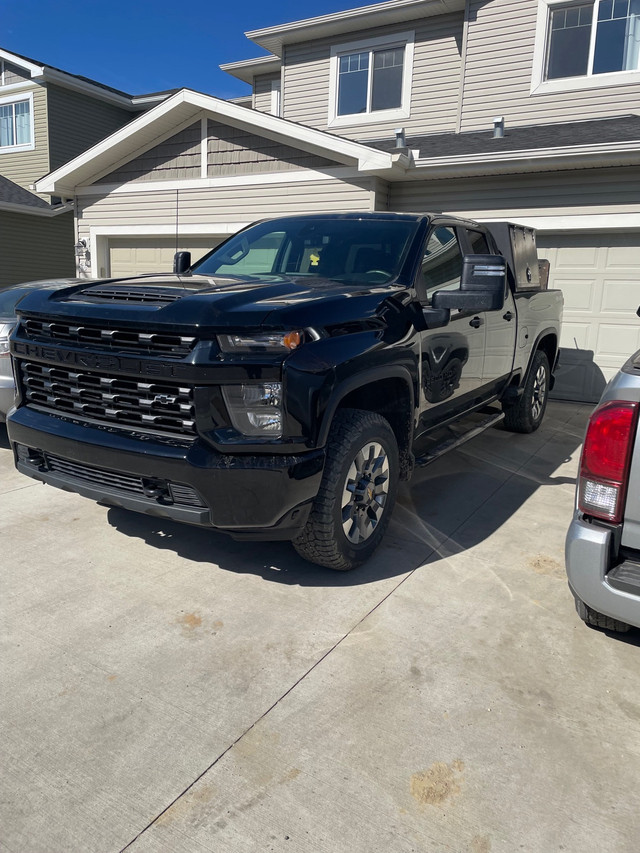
[{"x": 255, "y": 180}]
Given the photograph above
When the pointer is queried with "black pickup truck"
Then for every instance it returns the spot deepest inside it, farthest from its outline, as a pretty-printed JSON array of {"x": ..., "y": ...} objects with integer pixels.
[{"x": 282, "y": 386}]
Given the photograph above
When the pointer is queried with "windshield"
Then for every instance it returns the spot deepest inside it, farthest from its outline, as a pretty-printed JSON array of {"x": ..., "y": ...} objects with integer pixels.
[{"x": 358, "y": 251}]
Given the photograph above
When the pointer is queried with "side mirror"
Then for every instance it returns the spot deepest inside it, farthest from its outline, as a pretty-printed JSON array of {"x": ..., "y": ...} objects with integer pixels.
[
  {"x": 181, "y": 262},
  {"x": 482, "y": 286}
]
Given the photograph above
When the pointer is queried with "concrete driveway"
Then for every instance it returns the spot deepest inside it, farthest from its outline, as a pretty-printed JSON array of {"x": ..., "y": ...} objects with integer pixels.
[{"x": 167, "y": 689}]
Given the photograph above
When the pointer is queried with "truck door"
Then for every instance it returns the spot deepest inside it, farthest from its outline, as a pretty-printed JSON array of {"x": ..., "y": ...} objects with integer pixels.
[
  {"x": 451, "y": 357},
  {"x": 500, "y": 326}
]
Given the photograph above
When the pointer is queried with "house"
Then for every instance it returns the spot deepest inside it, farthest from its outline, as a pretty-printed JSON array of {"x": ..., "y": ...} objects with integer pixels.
[
  {"x": 519, "y": 109},
  {"x": 47, "y": 117}
]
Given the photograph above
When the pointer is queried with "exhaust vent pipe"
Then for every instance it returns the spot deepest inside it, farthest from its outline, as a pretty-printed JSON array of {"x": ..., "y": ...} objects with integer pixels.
[
  {"x": 498, "y": 127},
  {"x": 400, "y": 140}
]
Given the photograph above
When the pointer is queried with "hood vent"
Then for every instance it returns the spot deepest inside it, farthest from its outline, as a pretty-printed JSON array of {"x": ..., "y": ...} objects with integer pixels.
[{"x": 114, "y": 293}]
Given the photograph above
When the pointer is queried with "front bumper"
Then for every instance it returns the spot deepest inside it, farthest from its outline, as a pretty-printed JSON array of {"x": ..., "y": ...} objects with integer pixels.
[
  {"x": 590, "y": 555},
  {"x": 249, "y": 496}
]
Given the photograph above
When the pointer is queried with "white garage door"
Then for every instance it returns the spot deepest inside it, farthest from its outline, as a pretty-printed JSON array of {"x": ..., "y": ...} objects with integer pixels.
[
  {"x": 599, "y": 276},
  {"x": 139, "y": 255}
]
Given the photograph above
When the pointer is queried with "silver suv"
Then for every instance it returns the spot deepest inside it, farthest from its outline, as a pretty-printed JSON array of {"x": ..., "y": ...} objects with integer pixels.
[{"x": 603, "y": 543}]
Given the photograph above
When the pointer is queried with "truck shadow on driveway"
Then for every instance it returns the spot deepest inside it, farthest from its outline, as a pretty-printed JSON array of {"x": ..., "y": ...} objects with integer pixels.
[{"x": 451, "y": 506}]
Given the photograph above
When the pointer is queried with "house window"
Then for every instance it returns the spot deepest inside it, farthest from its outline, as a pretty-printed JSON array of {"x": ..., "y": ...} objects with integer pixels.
[
  {"x": 591, "y": 39},
  {"x": 16, "y": 124},
  {"x": 371, "y": 81}
]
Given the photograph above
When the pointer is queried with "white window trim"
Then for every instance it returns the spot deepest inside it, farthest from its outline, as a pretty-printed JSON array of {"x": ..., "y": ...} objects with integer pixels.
[
  {"x": 406, "y": 40},
  {"x": 569, "y": 84},
  {"x": 276, "y": 97},
  {"x": 29, "y": 146}
]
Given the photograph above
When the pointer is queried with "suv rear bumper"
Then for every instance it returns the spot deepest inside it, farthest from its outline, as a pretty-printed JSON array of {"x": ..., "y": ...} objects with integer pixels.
[
  {"x": 590, "y": 555},
  {"x": 253, "y": 497}
]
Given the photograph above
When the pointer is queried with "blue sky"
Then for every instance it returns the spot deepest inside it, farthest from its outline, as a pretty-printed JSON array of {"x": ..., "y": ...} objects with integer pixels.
[{"x": 149, "y": 45}]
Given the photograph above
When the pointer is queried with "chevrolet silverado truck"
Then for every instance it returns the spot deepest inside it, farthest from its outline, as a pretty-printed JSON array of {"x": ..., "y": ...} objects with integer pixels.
[
  {"x": 281, "y": 387},
  {"x": 603, "y": 542}
]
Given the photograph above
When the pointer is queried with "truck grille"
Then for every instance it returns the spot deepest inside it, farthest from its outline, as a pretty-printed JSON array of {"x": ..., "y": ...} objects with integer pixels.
[
  {"x": 141, "y": 343},
  {"x": 112, "y": 399}
]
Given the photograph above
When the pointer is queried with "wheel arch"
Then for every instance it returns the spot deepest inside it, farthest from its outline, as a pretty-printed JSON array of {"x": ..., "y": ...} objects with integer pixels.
[{"x": 388, "y": 391}]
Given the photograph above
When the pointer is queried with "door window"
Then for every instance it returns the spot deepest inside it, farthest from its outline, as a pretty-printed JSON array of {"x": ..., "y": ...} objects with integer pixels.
[
  {"x": 442, "y": 262},
  {"x": 478, "y": 243}
]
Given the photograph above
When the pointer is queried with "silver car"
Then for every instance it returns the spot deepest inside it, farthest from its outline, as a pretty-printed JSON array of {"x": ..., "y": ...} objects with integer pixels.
[
  {"x": 603, "y": 543},
  {"x": 9, "y": 298}
]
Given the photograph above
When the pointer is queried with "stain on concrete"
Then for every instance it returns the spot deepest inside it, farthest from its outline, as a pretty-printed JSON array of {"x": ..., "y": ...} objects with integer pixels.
[
  {"x": 189, "y": 622},
  {"x": 437, "y": 784},
  {"x": 194, "y": 805},
  {"x": 111, "y": 677},
  {"x": 542, "y": 564},
  {"x": 480, "y": 844},
  {"x": 217, "y": 625}
]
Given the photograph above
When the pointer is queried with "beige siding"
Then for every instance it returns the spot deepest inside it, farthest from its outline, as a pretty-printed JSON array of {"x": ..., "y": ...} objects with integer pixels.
[
  {"x": 212, "y": 206},
  {"x": 236, "y": 152},
  {"x": 76, "y": 122},
  {"x": 262, "y": 91},
  {"x": 555, "y": 193},
  {"x": 435, "y": 85},
  {"x": 14, "y": 74},
  {"x": 25, "y": 167},
  {"x": 35, "y": 247},
  {"x": 498, "y": 73},
  {"x": 176, "y": 158}
]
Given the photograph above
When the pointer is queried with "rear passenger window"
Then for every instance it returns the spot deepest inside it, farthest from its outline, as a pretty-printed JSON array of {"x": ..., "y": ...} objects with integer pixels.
[
  {"x": 478, "y": 242},
  {"x": 442, "y": 263}
]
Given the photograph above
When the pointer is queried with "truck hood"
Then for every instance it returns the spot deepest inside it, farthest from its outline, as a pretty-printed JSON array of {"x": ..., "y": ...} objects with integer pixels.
[{"x": 207, "y": 303}]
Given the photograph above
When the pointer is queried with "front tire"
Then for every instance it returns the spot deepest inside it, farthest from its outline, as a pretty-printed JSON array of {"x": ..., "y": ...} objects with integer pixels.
[
  {"x": 351, "y": 511},
  {"x": 598, "y": 620},
  {"x": 527, "y": 413}
]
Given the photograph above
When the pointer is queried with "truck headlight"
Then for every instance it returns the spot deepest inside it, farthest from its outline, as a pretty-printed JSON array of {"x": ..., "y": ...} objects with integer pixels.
[
  {"x": 255, "y": 410},
  {"x": 266, "y": 342},
  {"x": 5, "y": 331}
]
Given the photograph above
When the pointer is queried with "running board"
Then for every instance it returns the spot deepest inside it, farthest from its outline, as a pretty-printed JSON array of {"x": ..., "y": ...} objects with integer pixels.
[{"x": 455, "y": 441}]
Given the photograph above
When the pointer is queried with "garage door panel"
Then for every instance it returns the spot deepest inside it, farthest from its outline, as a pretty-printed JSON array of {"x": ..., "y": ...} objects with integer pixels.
[
  {"x": 579, "y": 295},
  {"x": 621, "y": 296},
  {"x": 576, "y": 257},
  {"x": 599, "y": 275},
  {"x": 129, "y": 256},
  {"x": 624, "y": 257},
  {"x": 617, "y": 342},
  {"x": 576, "y": 336}
]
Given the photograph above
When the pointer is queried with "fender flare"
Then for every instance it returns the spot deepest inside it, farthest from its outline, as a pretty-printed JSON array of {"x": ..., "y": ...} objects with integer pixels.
[
  {"x": 536, "y": 346},
  {"x": 359, "y": 380}
]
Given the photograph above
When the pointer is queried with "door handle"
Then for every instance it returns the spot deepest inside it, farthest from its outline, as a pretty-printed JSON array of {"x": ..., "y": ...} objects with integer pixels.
[
  {"x": 476, "y": 322},
  {"x": 508, "y": 316}
]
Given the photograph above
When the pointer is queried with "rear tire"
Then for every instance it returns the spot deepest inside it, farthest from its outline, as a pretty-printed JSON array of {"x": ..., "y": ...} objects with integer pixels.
[
  {"x": 351, "y": 511},
  {"x": 527, "y": 413},
  {"x": 599, "y": 620}
]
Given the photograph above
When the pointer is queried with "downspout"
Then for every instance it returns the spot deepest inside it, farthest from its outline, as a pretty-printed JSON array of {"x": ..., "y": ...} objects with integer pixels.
[{"x": 463, "y": 64}]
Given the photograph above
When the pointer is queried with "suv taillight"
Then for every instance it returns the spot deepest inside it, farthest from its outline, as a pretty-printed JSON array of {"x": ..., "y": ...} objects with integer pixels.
[{"x": 606, "y": 456}]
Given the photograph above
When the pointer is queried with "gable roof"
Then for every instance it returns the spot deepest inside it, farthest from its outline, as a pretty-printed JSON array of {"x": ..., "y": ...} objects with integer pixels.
[{"x": 187, "y": 106}]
